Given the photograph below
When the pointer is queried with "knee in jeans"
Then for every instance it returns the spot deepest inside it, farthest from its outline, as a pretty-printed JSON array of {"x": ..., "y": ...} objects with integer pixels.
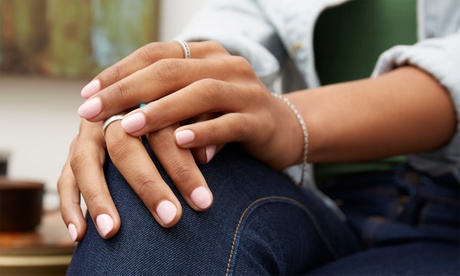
[{"x": 277, "y": 235}]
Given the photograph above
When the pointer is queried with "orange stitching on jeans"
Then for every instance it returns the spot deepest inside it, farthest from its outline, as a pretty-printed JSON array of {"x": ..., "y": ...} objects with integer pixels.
[
  {"x": 323, "y": 238},
  {"x": 237, "y": 229}
]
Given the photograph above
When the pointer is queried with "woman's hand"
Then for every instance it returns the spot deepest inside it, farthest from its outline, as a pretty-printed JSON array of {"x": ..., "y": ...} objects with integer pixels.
[
  {"x": 217, "y": 94},
  {"x": 83, "y": 174},
  {"x": 212, "y": 82}
]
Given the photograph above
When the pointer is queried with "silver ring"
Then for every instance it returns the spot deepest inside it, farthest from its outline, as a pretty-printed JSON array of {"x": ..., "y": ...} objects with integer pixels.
[
  {"x": 185, "y": 47},
  {"x": 111, "y": 120}
]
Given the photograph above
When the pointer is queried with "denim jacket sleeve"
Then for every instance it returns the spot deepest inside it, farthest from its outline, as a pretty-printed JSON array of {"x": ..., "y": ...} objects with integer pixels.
[
  {"x": 274, "y": 36},
  {"x": 440, "y": 57},
  {"x": 243, "y": 29}
]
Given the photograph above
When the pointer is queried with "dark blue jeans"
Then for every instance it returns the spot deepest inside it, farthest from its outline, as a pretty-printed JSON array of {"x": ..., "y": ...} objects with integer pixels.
[
  {"x": 260, "y": 224},
  {"x": 407, "y": 223}
]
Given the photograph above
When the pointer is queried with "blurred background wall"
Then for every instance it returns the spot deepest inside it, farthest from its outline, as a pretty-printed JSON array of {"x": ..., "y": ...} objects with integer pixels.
[{"x": 38, "y": 113}]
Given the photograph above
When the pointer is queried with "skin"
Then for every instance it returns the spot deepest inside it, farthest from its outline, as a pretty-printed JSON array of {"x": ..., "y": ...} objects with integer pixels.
[{"x": 222, "y": 101}]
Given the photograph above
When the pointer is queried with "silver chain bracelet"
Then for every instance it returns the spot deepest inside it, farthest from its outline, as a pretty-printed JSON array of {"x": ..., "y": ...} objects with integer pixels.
[{"x": 304, "y": 132}]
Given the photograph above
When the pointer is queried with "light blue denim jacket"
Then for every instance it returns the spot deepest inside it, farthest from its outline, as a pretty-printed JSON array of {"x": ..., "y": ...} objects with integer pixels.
[{"x": 276, "y": 37}]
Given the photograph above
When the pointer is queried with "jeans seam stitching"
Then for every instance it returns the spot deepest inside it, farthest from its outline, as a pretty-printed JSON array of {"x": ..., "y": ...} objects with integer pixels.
[{"x": 315, "y": 225}]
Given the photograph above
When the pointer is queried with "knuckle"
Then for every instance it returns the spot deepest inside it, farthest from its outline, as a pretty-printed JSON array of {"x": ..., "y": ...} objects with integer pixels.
[
  {"x": 117, "y": 144},
  {"x": 145, "y": 185},
  {"x": 119, "y": 91},
  {"x": 241, "y": 130},
  {"x": 111, "y": 74},
  {"x": 78, "y": 160},
  {"x": 61, "y": 184},
  {"x": 151, "y": 51},
  {"x": 181, "y": 173},
  {"x": 244, "y": 67},
  {"x": 160, "y": 139},
  {"x": 93, "y": 199},
  {"x": 213, "y": 132},
  {"x": 66, "y": 174},
  {"x": 212, "y": 90},
  {"x": 168, "y": 70}
]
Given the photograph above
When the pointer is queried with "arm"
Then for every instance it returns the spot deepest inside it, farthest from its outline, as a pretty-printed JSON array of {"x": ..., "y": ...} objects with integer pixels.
[
  {"x": 403, "y": 111},
  {"x": 441, "y": 59}
]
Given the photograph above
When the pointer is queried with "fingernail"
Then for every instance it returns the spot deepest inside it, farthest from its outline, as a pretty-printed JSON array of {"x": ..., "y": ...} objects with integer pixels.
[
  {"x": 104, "y": 224},
  {"x": 201, "y": 197},
  {"x": 72, "y": 232},
  {"x": 134, "y": 122},
  {"x": 184, "y": 137},
  {"x": 91, "y": 88},
  {"x": 90, "y": 109},
  {"x": 166, "y": 211},
  {"x": 210, "y": 152}
]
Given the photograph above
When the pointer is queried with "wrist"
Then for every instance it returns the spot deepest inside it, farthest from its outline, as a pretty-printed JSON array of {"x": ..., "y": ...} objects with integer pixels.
[{"x": 298, "y": 124}]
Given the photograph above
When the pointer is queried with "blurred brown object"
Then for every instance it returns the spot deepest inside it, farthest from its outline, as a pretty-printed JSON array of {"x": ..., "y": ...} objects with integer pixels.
[
  {"x": 4, "y": 156},
  {"x": 20, "y": 204}
]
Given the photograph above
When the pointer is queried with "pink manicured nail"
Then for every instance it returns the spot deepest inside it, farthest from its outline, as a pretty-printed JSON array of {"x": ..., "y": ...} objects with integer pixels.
[
  {"x": 90, "y": 109},
  {"x": 201, "y": 197},
  {"x": 72, "y": 232},
  {"x": 166, "y": 211},
  {"x": 134, "y": 122},
  {"x": 104, "y": 224},
  {"x": 210, "y": 152},
  {"x": 184, "y": 137},
  {"x": 91, "y": 88}
]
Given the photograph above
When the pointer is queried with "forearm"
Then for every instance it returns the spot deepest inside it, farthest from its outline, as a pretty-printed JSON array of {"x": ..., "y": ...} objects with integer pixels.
[{"x": 400, "y": 112}]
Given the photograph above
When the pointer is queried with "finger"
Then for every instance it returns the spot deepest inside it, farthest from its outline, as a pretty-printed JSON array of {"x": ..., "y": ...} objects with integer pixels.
[
  {"x": 136, "y": 61},
  {"x": 232, "y": 127},
  {"x": 132, "y": 160},
  {"x": 86, "y": 163},
  {"x": 150, "y": 83},
  {"x": 163, "y": 74},
  {"x": 203, "y": 155},
  {"x": 199, "y": 154},
  {"x": 198, "y": 98},
  {"x": 69, "y": 196},
  {"x": 181, "y": 168},
  {"x": 149, "y": 54}
]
